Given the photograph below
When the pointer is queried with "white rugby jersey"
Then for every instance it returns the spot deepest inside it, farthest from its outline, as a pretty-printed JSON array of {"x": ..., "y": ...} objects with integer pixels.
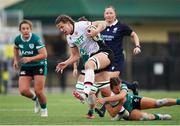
[{"x": 80, "y": 39}]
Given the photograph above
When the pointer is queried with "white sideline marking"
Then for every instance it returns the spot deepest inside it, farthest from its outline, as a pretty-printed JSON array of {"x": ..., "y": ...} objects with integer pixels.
[{"x": 15, "y": 110}]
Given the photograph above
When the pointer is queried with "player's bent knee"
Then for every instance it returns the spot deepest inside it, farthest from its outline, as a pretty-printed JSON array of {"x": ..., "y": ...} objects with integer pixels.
[
  {"x": 23, "y": 91},
  {"x": 95, "y": 61}
]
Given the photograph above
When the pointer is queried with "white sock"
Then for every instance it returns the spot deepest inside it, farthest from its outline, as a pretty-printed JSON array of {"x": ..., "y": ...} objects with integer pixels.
[
  {"x": 88, "y": 80},
  {"x": 89, "y": 76}
]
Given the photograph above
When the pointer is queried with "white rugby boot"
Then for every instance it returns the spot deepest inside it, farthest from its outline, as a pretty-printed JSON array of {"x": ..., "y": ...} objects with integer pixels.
[
  {"x": 44, "y": 112},
  {"x": 165, "y": 116}
]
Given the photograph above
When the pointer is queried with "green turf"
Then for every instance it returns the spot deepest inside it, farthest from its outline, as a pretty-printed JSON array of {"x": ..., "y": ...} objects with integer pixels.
[{"x": 65, "y": 110}]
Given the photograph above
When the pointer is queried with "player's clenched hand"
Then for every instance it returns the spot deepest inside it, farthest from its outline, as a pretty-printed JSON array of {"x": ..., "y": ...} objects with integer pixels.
[
  {"x": 26, "y": 59},
  {"x": 60, "y": 67},
  {"x": 136, "y": 50}
]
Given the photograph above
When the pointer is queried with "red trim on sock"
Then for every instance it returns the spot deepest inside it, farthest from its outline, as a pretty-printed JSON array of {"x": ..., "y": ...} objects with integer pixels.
[{"x": 88, "y": 83}]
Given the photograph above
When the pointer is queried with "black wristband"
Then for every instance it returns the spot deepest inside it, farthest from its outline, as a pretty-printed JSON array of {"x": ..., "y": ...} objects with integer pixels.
[{"x": 138, "y": 46}]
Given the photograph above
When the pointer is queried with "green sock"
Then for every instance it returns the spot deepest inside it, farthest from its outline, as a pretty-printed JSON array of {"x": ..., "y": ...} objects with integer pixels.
[
  {"x": 157, "y": 117},
  {"x": 177, "y": 101},
  {"x": 91, "y": 110},
  {"x": 43, "y": 106}
]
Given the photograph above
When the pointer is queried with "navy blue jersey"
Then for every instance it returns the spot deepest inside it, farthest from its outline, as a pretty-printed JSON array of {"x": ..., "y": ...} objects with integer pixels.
[{"x": 113, "y": 37}]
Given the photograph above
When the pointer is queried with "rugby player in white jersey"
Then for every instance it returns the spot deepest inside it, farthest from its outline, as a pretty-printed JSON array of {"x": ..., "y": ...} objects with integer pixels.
[{"x": 79, "y": 35}]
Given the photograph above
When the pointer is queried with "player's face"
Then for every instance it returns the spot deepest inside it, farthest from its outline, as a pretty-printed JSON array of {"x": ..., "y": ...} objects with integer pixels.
[
  {"x": 109, "y": 15},
  {"x": 66, "y": 28},
  {"x": 25, "y": 30},
  {"x": 116, "y": 89}
]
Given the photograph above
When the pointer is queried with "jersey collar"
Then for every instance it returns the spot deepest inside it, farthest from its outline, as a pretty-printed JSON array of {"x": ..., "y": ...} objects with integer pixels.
[
  {"x": 27, "y": 39},
  {"x": 114, "y": 23}
]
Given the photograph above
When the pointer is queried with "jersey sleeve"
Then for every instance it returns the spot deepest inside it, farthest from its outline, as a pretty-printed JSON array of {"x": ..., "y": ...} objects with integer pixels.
[
  {"x": 84, "y": 25},
  {"x": 70, "y": 43},
  {"x": 39, "y": 43},
  {"x": 16, "y": 43},
  {"x": 126, "y": 30},
  {"x": 124, "y": 87}
]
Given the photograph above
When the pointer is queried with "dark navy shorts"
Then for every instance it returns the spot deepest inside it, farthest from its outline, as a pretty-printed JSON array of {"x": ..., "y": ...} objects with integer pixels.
[{"x": 117, "y": 64}]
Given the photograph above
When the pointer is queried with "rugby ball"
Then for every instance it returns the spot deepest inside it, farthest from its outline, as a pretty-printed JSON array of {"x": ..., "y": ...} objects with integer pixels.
[{"x": 98, "y": 36}]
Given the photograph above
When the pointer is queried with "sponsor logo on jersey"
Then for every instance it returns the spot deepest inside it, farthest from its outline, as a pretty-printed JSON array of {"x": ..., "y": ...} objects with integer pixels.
[
  {"x": 21, "y": 46},
  {"x": 79, "y": 40},
  {"x": 83, "y": 52},
  {"x": 108, "y": 37},
  {"x": 26, "y": 52},
  {"x": 115, "y": 30},
  {"x": 41, "y": 70},
  {"x": 31, "y": 46},
  {"x": 136, "y": 100},
  {"x": 22, "y": 72}
]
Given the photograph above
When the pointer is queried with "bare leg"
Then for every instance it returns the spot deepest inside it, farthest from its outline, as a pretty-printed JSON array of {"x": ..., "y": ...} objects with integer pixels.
[
  {"x": 24, "y": 86},
  {"x": 147, "y": 103},
  {"x": 139, "y": 115},
  {"x": 39, "y": 82}
]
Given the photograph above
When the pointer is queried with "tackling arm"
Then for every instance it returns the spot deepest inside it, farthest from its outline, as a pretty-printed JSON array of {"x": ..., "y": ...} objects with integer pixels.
[{"x": 74, "y": 56}]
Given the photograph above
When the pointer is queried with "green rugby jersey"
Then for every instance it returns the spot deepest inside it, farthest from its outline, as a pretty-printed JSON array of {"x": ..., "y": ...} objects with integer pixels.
[
  {"x": 29, "y": 48},
  {"x": 84, "y": 57},
  {"x": 129, "y": 98},
  {"x": 128, "y": 103},
  {"x": 123, "y": 87}
]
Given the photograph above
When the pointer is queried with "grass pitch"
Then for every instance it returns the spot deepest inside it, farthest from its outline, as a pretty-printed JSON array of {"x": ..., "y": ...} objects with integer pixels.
[{"x": 66, "y": 110}]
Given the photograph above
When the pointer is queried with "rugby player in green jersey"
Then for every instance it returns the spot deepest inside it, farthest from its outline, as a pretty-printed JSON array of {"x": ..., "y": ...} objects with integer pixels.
[
  {"x": 30, "y": 59},
  {"x": 78, "y": 93},
  {"x": 134, "y": 104}
]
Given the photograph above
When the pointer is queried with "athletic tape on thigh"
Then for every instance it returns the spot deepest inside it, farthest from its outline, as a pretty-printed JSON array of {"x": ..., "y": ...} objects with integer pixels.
[
  {"x": 96, "y": 62},
  {"x": 102, "y": 84}
]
